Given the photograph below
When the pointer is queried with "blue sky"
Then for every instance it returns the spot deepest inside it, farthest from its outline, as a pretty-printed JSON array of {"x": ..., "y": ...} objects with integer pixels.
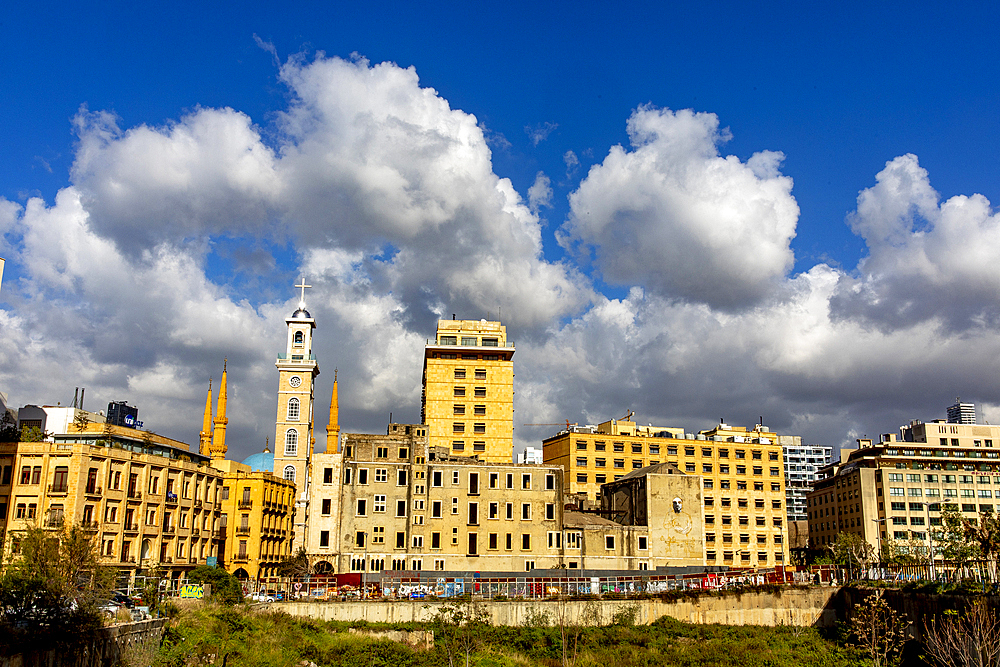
[{"x": 838, "y": 91}]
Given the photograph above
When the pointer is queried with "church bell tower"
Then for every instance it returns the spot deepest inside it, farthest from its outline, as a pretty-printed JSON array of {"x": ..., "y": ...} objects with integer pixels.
[{"x": 293, "y": 432}]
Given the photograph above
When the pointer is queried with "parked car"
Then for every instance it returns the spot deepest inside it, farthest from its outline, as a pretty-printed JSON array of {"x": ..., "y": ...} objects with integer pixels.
[
  {"x": 261, "y": 597},
  {"x": 123, "y": 600}
]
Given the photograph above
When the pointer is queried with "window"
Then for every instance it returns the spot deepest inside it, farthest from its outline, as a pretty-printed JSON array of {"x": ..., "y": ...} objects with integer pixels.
[
  {"x": 479, "y": 410},
  {"x": 550, "y": 511},
  {"x": 326, "y": 506},
  {"x": 609, "y": 542},
  {"x": 459, "y": 373},
  {"x": 400, "y": 508},
  {"x": 480, "y": 392},
  {"x": 293, "y": 410},
  {"x": 458, "y": 427},
  {"x": 526, "y": 481},
  {"x": 643, "y": 543},
  {"x": 328, "y": 475},
  {"x": 525, "y": 542},
  {"x": 435, "y": 540},
  {"x": 379, "y": 505},
  {"x": 363, "y": 476},
  {"x": 289, "y": 473},
  {"x": 479, "y": 428},
  {"x": 458, "y": 445},
  {"x": 460, "y": 392},
  {"x": 437, "y": 478},
  {"x": 418, "y": 541},
  {"x": 381, "y": 475},
  {"x": 526, "y": 511},
  {"x": 291, "y": 442},
  {"x": 581, "y": 478},
  {"x": 401, "y": 478},
  {"x": 378, "y": 535},
  {"x": 436, "y": 509}
]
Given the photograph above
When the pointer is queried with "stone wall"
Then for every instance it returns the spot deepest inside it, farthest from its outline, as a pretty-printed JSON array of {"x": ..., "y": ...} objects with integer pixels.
[
  {"x": 129, "y": 644},
  {"x": 813, "y": 606}
]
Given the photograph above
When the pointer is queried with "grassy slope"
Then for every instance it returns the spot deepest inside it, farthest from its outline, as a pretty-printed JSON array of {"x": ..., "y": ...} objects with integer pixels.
[{"x": 279, "y": 640}]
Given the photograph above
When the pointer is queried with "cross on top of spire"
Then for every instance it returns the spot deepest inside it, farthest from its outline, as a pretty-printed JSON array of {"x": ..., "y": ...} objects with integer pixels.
[{"x": 303, "y": 286}]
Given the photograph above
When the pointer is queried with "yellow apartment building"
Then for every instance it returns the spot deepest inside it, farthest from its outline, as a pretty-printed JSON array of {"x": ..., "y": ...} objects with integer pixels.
[
  {"x": 467, "y": 402},
  {"x": 256, "y": 520},
  {"x": 895, "y": 490},
  {"x": 741, "y": 469},
  {"x": 150, "y": 502}
]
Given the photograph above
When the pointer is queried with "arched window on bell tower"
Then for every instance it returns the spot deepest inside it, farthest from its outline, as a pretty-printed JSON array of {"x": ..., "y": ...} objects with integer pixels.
[
  {"x": 293, "y": 409},
  {"x": 299, "y": 339},
  {"x": 289, "y": 473},
  {"x": 291, "y": 442}
]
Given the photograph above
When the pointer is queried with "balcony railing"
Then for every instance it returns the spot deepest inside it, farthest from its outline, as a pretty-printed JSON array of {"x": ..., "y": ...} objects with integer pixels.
[
  {"x": 171, "y": 498},
  {"x": 220, "y": 534},
  {"x": 197, "y": 503},
  {"x": 245, "y": 504},
  {"x": 131, "y": 528},
  {"x": 90, "y": 525},
  {"x": 195, "y": 532},
  {"x": 241, "y": 558},
  {"x": 166, "y": 559},
  {"x": 243, "y": 530},
  {"x": 134, "y": 494},
  {"x": 58, "y": 488},
  {"x": 56, "y": 522},
  {"x": 92, "y": 491},
  {"x": 168, "y": 530}
]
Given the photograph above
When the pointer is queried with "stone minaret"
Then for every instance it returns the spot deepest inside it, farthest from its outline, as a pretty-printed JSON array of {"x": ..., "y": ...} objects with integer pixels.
[
  {"x": 333, "y": 428},
  {"x": 219, "y": 437},
  {"x": 205, "y": 437}
]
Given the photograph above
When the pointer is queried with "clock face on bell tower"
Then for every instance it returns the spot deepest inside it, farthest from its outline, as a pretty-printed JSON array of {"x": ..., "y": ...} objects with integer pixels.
[{"x": 293, "y": 432}]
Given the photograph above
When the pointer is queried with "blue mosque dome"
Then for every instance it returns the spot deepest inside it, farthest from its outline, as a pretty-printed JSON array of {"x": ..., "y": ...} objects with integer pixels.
[{"x": 260, "y": 462}]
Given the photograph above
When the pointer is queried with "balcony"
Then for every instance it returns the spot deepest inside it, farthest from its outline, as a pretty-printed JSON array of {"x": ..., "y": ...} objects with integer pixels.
[
  {"x": 192, "y": 560},
  {"x": 169, "y": 530},
  {"x": 295, "y": 357},
  {"x": 58, "y": 488},
  {"x": 134, "y": 494},
  {"x": 92, "y": 491},
  {"x": 195, "y": 532},
  {"x": 171, "y": 498},
  {"x": 197, "y": 503},
  {"x": 131, "y": 528},
  {"x": 220, "y": 534},
  {"x": 245, "y": 504},
  {"x": 54, "y": 522},
  {"x": 241, "y": 558},
  {"x": 243, "y": 530},
  {"x": 90, "y": 526}
]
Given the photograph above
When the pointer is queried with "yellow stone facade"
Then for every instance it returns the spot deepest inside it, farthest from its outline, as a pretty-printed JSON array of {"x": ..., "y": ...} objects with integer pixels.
[
  {"x": 256, "y": 514},
  {"x": 468, "y": 390},
  {"x": 742, "y": 472},
  {"x": 149, "y": 501}
]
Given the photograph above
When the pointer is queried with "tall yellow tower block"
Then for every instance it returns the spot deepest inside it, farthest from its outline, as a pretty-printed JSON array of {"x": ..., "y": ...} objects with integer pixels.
[{"x": 468, "y": 390}]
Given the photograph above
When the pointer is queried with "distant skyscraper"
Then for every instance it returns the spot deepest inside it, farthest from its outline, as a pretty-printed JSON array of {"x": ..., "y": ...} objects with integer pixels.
[{"x": 962, "y": 413}]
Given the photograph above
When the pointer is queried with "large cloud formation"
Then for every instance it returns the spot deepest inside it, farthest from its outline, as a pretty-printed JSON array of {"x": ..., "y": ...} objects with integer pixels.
[
  {"x": 675, "y": 216},
  {"x": 386, "y": 198}
]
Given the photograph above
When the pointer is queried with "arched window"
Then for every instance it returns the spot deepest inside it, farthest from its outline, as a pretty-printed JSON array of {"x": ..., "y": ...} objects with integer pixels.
[
  {"x": 298, "y": 338},
  {"x": 289, "y": 473},
  {"x": 291, "y": 442},
  {"x": 293, "y": 409}
]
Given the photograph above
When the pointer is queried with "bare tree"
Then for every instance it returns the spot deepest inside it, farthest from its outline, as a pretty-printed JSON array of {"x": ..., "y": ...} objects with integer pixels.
[
  {"x": 964, "y": 640},
  {"x": 879, "y": 631}
]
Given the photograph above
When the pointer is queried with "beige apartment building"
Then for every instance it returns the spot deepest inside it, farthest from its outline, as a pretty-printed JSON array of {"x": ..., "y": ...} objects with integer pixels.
[
  {"x": 896, "y": 489},
  {"x": 149, "y": 500},
  {"x": 467, "y": 402},
  {"x": 741, "y": 471}
]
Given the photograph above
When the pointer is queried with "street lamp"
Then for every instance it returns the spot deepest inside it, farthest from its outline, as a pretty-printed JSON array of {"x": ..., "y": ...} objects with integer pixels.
[{"x": 881, "y": 542}]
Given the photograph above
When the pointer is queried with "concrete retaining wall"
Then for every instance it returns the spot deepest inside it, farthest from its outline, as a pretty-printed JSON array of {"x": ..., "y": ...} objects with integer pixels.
[
  {"x": 798, "y": 607},
  {"x": 129, "y": 643}
]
